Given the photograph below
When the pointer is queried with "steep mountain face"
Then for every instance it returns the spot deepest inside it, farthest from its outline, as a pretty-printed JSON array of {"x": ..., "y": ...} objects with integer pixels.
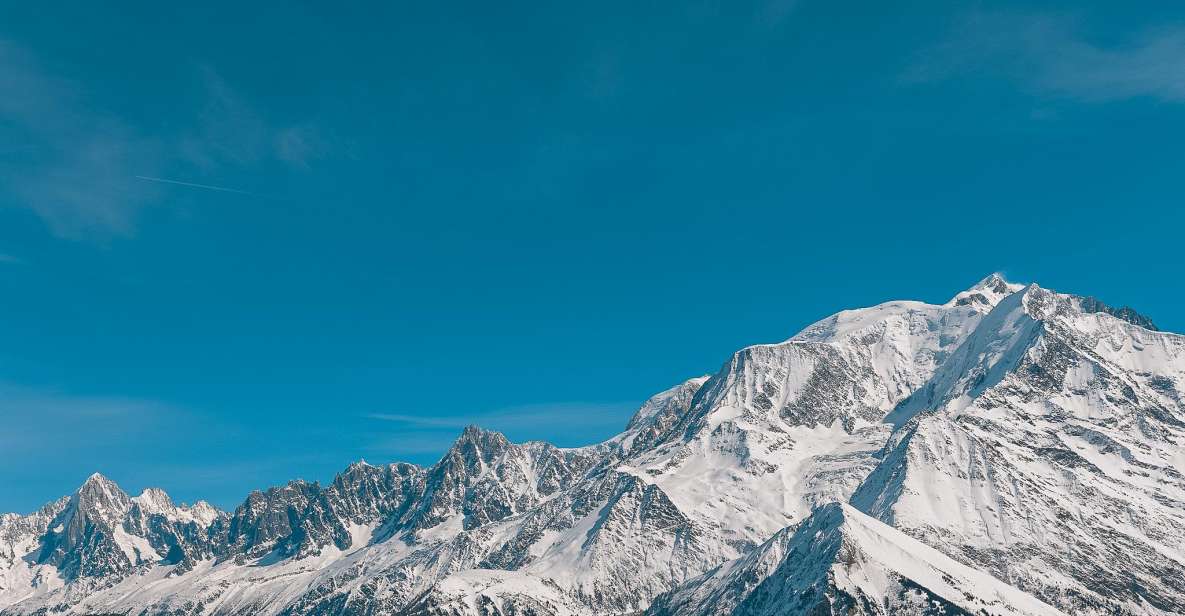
[
  {"x": 1049, "y": 452},
  {"x": 302, "y": 518},
  {"x": 1013, "y": 451},
  {"x": 839, "y": 561},
  {"x": 86, "y": 542},
  {"x": 783, "y": 427},
  {"x": 20, "y": 537}
]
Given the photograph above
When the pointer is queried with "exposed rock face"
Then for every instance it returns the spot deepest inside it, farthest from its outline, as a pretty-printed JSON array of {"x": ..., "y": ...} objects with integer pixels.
[
  {"x": 1013, "y": 451},
  {"x": 1090, "y": 304},
  {"x": 839, "y": 561}
]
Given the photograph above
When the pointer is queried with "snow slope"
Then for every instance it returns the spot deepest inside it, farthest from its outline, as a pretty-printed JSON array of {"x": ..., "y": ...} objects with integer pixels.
[
  {"x": 1010, "y": 450},
  {"x": 840, "y": 561},
  {"x": 1049, "y": 452}
]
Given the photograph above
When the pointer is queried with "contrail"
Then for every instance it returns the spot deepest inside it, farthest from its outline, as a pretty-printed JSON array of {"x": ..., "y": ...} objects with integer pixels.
[{"x": 192, "y": 185}]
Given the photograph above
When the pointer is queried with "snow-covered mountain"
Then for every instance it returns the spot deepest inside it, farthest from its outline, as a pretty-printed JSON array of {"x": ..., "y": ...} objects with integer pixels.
[
  {"x": 1013, "y": 451},
  {"x": 839, "y": 560}
]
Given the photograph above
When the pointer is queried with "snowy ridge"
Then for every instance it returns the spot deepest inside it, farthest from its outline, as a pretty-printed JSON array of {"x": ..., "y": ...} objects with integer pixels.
[
  {"x": 1060, "y": 472},
  {"x": 840, "y": 561},
  {"x": 1012, "y": 451}
]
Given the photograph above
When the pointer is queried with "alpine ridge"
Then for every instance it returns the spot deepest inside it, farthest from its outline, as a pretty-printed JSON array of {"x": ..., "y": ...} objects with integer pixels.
[{"x": 1014, "y": 451}]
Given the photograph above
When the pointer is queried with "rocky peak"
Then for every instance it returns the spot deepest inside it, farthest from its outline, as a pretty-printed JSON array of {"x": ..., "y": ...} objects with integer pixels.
[
  {"x": 268, "y": 517},
  {"x": 81, "y": 540},
  {"x": 659, "y": 413},
  {"x": 477, "y": 446},
  {"x": 365, "y": 494},
  {"x": 986, "y": 293},
  {"x": 203, "y": 513},
  {"x": 155, "y": 500},
  {"x": 101, "y": 497},
  {"x": 1090, "y": 305}
]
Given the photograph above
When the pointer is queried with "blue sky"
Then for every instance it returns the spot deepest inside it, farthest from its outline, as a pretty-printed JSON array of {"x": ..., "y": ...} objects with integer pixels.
[{"x": 244, "y": 244}]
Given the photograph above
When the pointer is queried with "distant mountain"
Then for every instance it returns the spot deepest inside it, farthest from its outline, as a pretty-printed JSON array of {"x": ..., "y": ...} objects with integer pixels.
[{"x": 1013, "y": 451}]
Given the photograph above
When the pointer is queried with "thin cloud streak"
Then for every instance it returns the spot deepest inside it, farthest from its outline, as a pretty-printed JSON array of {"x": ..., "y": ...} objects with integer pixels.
[
  {"x": 194, "y": 185},
  {"x": 98, "y": 421},
  {"x": 426, "y": 422},
  {"x": 530, "y": 415},
  {"x": 1051, "y": 54},
  {"x": 420, "y": 436}
]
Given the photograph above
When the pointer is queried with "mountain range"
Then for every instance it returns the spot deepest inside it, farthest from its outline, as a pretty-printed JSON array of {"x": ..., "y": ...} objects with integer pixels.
[{"x": 1012, "y": 451}]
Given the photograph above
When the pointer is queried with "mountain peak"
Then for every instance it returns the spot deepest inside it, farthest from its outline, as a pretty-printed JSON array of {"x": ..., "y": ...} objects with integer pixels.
[
  {"x": 474, "y": 434},
  {"x": 986, "y": 293},
  {"x": 99, "y": 485},
  {"x": 993, "y": 280},
  {"x": 97, "y": 479},
  {"x": 204, "y": 513},
  {"x": 476, "y": 430},
  {"x": 155, "y": 500},
  {"x": 360, "y": 466},
  {"x": 1126, "y": 313},
  {"x": 101, "y": 495}
]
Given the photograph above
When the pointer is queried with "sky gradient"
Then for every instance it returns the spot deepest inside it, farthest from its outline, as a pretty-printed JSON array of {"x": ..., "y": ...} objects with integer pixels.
[{"x": 245, "y": 244}]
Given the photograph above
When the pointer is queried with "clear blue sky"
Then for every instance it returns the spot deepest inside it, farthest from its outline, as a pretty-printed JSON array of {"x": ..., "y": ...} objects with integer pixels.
[{"x": 526, "y": 216}]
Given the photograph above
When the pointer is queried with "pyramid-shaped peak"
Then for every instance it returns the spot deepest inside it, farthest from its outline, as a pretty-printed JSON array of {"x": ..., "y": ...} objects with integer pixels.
[
  {"x": 97, "y": 483},
  {"x": 100, "y": 496},
  {"x": 994, "y": 281},
  {"x": 986, "y": 293},
  {"x": 473, "y": 447},
  {"x": 203, "y": 512},
  {"x": 357, "y": 471},
  {"x": 361, "y": 466},
  {"x": 155, "y": 500},
  {"x": 96, "y": 478}
]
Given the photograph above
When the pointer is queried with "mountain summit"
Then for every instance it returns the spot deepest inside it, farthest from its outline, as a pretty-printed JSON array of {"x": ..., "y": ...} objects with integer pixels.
[{"x": 1012, "y": 451}]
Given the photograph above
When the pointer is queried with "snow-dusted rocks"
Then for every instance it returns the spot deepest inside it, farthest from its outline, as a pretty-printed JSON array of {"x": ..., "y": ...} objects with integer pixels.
[
  {"x": 20, "y": 536},
  {"x": 842, "y": 562},
  {"x": 1012, "y": 451},
  {"x": 1049, "y": 452}
]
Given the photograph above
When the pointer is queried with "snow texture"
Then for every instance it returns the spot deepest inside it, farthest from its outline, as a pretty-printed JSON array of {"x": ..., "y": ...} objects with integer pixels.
[{"x": 1012, "y": 451}]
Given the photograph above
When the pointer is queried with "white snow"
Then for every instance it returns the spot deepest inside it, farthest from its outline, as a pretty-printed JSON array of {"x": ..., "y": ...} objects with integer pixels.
[{"x": 1005, "y": 429}]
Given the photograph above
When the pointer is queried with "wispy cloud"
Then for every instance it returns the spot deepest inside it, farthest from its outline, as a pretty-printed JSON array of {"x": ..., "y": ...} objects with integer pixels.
[
  {"x": 10, "y": 259},
  {"x": 403, "y": 446},
  {"x": 1053, "y": 55},
  {"x": 416, "y": 420},
  {"x": 229, "y": 130},
  {"x": 582, "y": 422},
  {"x": 34, "y": 419},
  {"x": 77, "y": 174},
  {"x": 301, "y": 145},
  {"x": 71, "y": 435},
  {"x": 83, "y": 171},
  {"x": 543, "y": 416}
]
